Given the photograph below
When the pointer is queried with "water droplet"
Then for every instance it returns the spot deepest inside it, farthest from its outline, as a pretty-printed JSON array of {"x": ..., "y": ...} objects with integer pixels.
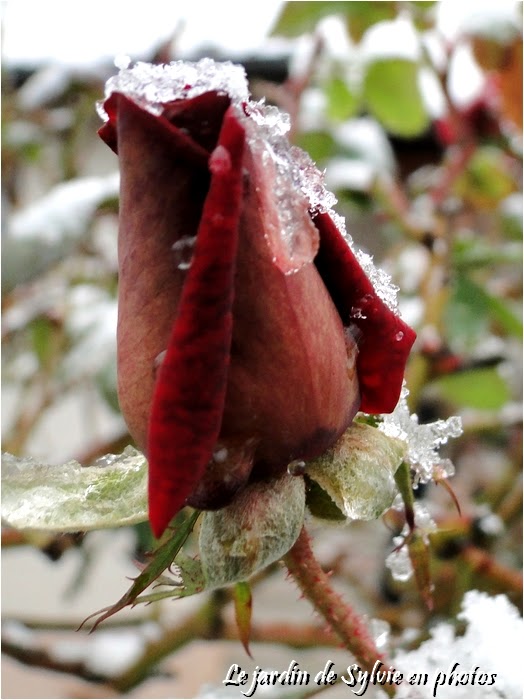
[
  {"x": 183, "y": 249},
  {"x": 158, "y": 360},
  {"x": 297, "y": 467},
  {"x": 220, "y": 455},
  {"x": 399, "y": 335}
]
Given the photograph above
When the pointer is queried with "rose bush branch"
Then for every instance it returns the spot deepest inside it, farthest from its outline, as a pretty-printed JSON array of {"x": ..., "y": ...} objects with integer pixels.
[{"x": 340, "y": 616}]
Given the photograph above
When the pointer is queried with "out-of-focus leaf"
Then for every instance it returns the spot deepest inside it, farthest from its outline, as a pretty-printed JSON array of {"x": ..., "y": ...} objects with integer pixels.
[
  {"x": 475, "y": 253},
  {"x": 319, "y": 144},
  {"x": 243, "y": 609},
  {"x": 43, "y": 335},
  {"x": 342, "y": 102},
  {"x": 299, "y": 17},
  {"x": 362, "y": 15},
  {"x": 471, "y": 308},
  {"x": 487, "y": 180},
  {"x": 481, "y": 388},
  {"x": 72, "y": 498},
  {"x": 392, "y": 94},
  {"x": 161, "y": 559}
]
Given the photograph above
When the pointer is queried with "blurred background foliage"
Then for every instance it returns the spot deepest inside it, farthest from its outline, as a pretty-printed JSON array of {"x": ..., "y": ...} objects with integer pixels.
[{"x": 420, "y": 136}]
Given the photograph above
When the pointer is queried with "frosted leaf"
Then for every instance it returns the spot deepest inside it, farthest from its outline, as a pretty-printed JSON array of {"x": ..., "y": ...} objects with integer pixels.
[
  {"x": 423, "y": 441},
  {"x": 358, "y": 471},
  {"x": 491, "y": 649},
  {"x": 70, "y": 498}
]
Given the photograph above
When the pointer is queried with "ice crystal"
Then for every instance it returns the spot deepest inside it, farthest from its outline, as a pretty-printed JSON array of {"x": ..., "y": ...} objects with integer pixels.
[
  {"x": 423, "y": 440},
  {"x": 298, "y": 181},
  {"x": 399, "y": 561},
  {"x": 151, "y": 86}
]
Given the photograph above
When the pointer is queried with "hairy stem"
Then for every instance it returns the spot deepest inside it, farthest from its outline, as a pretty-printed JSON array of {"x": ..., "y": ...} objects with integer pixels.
[{"x": 340, "y": 616}]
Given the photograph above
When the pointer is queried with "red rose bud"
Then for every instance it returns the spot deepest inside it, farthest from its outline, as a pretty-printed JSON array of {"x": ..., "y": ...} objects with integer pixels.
[{"x": 248, "y": 333}]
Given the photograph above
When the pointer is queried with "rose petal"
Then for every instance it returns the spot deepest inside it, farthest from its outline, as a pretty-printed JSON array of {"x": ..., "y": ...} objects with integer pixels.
[
  {"x": 190, "y": 389},
  {"x": 385, "y": 339}
]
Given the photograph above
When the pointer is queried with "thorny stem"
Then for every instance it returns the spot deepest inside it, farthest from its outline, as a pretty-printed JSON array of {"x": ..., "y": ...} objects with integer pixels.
[{"x": 340, "y": 616}]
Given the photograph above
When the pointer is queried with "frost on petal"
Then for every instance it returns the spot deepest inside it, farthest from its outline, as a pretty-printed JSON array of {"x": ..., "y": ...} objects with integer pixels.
[{"x": 151, "y": 86}]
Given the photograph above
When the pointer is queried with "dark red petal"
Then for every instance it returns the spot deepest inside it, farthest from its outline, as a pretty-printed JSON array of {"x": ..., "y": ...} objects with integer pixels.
[
  {"x": 200, "y": 116},
  {"x": 385, "y": 340},
  {"x": 185, "y": 146},
  {"x": 190, "y": 389}
]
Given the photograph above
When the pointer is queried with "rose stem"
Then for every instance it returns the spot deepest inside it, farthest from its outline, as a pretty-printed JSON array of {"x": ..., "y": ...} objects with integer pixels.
[{"x": 340, "y": 616}]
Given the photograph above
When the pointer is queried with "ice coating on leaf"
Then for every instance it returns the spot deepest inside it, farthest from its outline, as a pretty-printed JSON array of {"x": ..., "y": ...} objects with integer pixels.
[
  {"x": 358, "y": 471},
  {"x": 423, "y": 440},
  {"x": 298, "y": 180},
  {"x": 71, "y": 498}
]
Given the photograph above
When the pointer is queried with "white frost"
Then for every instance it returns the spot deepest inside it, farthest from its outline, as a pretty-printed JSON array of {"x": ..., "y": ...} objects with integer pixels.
[
  {"x": 423, "y": 440},
  {"x": 492, "y": 644}
]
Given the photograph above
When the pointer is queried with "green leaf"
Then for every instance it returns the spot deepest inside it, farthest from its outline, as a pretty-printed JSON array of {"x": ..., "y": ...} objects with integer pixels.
[
  {"x": 72, "y": 498},
  {"x": 299, "y": 17},
  {"x": 342, "y": 102},
  {"x": 161, "y": 559},
  {"x": 475, "y": 253},
  {"x": 243, "y": 610},
  {"x": 364, "y": 14},
  {"x": 319, "y": 144},
  {"x": 471, "y": 307},
  {"x": 393, "y": 96},
  {"x": 358, "y": 472},
  {"x": 482, "y": 388},
  {"x": 320, "y": 504},
  {"x": 258, "y": 528},
  {"x": 487, "y": 180}
]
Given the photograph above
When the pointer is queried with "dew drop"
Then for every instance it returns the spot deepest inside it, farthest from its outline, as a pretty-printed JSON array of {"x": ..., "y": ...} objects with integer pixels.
[
  {"x": 399, "y": 336},
  {"x": 183, "y": 249},
  {"x": 297, "y": 467},
  {"x": 220, "y": 455}
]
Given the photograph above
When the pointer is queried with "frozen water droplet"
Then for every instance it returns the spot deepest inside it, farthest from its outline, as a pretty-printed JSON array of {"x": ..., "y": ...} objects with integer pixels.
[
  {"x": 356, "y": 312},
  {"x": 296, "y": 468},
  {"x": 220, "y": 455},
  {"x": 399, "y": 336},
  {"x": 399, "y": 563},
  {"x": 380, "y": 631},
  {"x": 183, "y": 249},
  {"x": 158, "y": 360}
]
